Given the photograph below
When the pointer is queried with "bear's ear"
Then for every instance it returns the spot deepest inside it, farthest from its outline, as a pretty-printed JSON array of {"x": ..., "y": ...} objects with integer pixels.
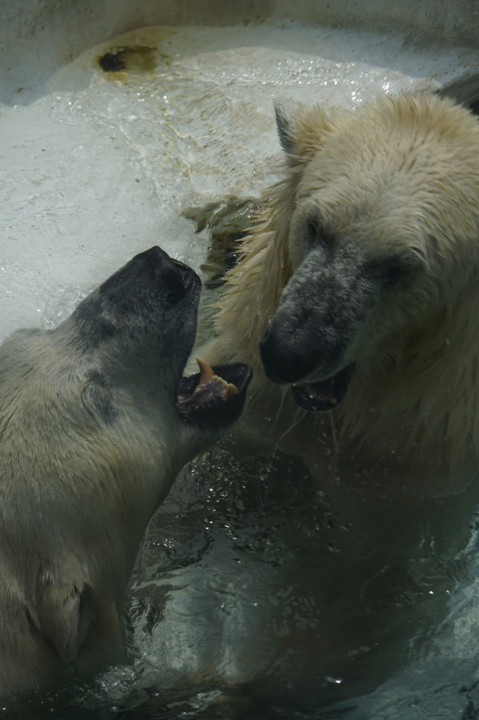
[
  {"x": 97, "y": 397},
  {"x": 285, "y": 118},
  {"x": 300, "y": 129}
]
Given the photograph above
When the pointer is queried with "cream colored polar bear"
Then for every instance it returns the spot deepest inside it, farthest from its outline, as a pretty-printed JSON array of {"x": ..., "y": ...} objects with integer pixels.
[
  {"x": 359, "y": 287},
  {"x": 95, "y": 422}
]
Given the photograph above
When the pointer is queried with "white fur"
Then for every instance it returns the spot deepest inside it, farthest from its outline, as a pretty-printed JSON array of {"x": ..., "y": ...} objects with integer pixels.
[
  {"x": 90, "y": 443},
  {"x": 401, "y": 172}
]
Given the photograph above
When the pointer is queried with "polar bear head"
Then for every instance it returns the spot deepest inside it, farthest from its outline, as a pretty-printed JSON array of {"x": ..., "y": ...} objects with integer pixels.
[
  {"x": 382, "y": 234},
  {"x": 138, "y": 330}
]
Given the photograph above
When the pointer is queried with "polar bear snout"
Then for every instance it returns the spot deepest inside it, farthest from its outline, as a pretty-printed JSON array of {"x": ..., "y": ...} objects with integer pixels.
[
  {"x": 175, "y": 278},
  {"x": 284, "y": 359},
  {"x": 150, "y": 292},
  {"x": 151, "y": 274},
  {"x": 178, "y": 280},
  {"x": 314, "y": 332},
  {"x": 288, "y": 361}
]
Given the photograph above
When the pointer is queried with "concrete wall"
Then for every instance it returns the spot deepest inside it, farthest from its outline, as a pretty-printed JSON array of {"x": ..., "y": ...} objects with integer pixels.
[{"x": 60, "y": 29}]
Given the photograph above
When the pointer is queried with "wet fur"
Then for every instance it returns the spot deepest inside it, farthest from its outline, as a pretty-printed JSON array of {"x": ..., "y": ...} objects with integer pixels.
[
  {"x": 396, "y": 177},
  {"x": 90, "y": 442}
]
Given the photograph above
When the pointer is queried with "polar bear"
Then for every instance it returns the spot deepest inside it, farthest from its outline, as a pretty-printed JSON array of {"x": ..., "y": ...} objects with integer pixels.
[
  {"x": 95, "y": 422},
  {"x": 357, "y": 290}
]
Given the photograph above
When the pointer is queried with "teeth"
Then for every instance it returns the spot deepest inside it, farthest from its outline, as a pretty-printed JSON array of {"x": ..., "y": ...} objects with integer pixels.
[
  {"x": 315, "y": 393},
  {"x": 206, "y": 371},
  {"x": 207, "y": 375}
]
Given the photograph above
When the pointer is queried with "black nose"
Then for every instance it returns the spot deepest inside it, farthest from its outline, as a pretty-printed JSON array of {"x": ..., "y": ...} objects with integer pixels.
[
  {"x": 284, "y": 360},
  {"x": 173, "y": 277}
]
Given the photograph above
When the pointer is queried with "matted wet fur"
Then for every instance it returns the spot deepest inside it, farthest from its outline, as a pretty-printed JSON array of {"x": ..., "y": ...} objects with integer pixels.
[
  {"x": 359, "y": 286},
  {"x": 95, "y": 423}
]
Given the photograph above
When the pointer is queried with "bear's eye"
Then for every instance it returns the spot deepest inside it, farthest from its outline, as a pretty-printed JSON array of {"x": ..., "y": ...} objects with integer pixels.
[
  {"x": 316, "y": 233},
  {"x": 395, "y": 268}
]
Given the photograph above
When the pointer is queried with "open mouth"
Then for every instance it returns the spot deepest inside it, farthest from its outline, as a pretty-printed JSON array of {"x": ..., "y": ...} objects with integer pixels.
[
  {"x": 323, "y": 395},
  {"x": 214, "y": 397}
]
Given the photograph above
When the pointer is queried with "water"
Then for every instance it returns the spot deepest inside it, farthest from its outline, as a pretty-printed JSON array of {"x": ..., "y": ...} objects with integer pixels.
[
  {"x": 97, "y": 166},
  {"x": 255, "y": 598},
  {"x": 258, "y": 594}
]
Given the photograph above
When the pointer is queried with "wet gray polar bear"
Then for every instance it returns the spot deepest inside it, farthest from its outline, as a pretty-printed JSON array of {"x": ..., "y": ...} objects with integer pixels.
[
  {"x": 95, "y": 422},
  {"x": 359, "y": 286}
]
